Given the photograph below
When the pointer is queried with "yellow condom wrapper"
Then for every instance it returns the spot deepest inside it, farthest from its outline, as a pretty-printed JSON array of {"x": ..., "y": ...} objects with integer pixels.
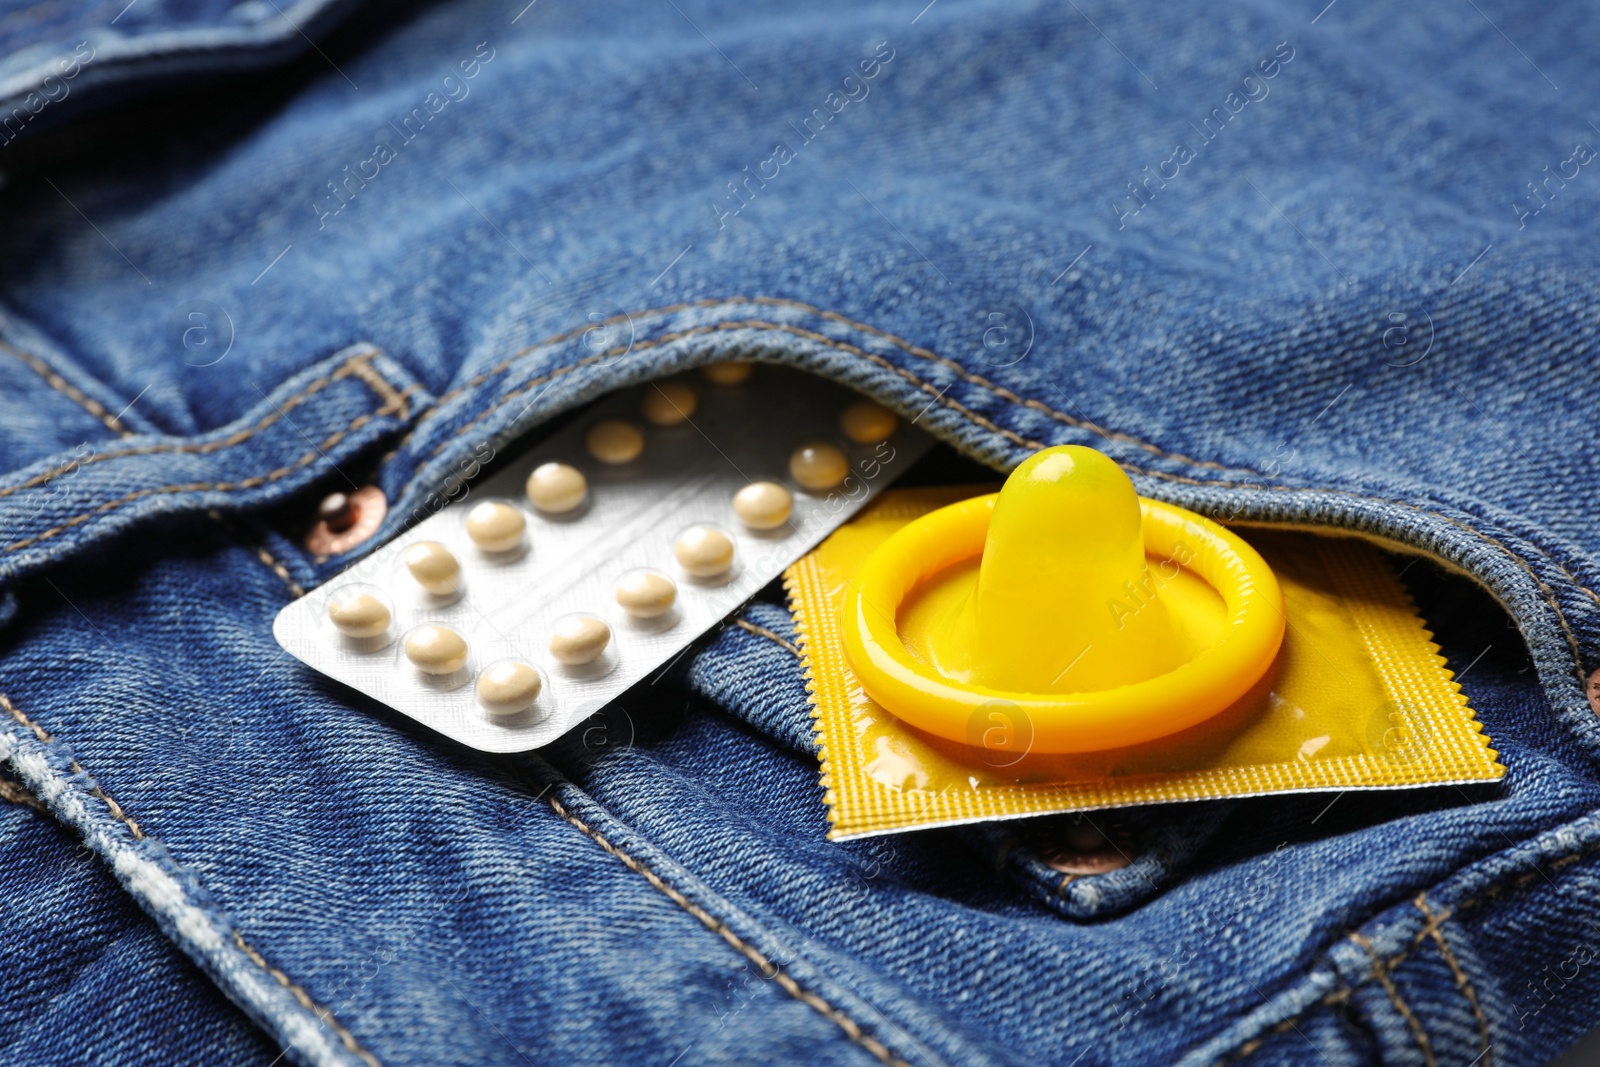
[{"x": 1358, "y": 698}]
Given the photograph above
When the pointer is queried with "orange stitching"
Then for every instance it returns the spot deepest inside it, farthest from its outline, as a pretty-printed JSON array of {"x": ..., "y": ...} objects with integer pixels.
[
  {"x": 1462, "y": 982},
  {"x": 61, "y": 385},
  {"x": 1520, "y": 882},
  {"x": 972, "y": 416},
  {"x": 322, "y": 1014},
  {"x": 116, "y": 810},
  {"x": 260, "y": 550},
  {"x": 195, "y": 487},
  {"x": 1399, "y": 1003},
  {"x": 346, "y": 369},
  {"x": 768, "y": 969},
  {"x": 833, "y": 316},
  {"x": 43, "y": 735},
  {"x": 15, "y": 793},
  {"x": 762, "y": 631}
]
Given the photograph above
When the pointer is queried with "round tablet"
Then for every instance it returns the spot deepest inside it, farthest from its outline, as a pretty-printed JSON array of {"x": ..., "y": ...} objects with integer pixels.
[
  {"x": 818, "y": 466},
  {"x": 867, "y": 423},
  {"x": 436, "y": 649},
  {"x": 646, "y": 594},
  {"x": 579, "y": 639},
  {"x": 495, "y": 526},
  {"x": 362, "y": 615},
  {"x": 667, "y": 403},
  {"x": 704, "y": 551},
  {"x": 763, "y": 505},
  {"x": 508, "y": 686},
  {"x": 557, "y": 488},
  {"x": 735, "y": 372},
  {"x": 614, "y": 441},
  {"x": 434, "y": 567}
]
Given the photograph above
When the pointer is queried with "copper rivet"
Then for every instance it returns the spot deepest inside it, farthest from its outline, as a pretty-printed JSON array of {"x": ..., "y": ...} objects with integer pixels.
[
  {"x": 344, "y": 521},
  {"x": 1097, "y": 862},
  {"x": 1594, "y": 691},
  {"x": 338, "y": 511}
]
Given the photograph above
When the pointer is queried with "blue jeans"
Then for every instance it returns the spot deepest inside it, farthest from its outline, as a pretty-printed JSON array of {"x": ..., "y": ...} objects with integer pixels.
[{"x": 1328, "y": 269}]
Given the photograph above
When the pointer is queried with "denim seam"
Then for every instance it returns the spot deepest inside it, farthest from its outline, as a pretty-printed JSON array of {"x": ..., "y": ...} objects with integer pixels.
[
  {"x": 1522, "y": 881},
  {"x": 194, "y": 487},
  {"x": 114, "y": 424},
  {"x": 15, "y": 793},
  {"x": 1381, "y": 973},
  {"x": 357, "y": 366},
  {"x": 67, "y": 389},
  {"x": 1463, "y": 983},
  {"x": 955, "y": 405},
  {"x": 762, "y": 631},
  {"x": 323, "y": 1015},
  {"x": 305, "y": 1000},
  {"x": 832, "y": 316},
  {"x": 271, "y": 561},
  {"x": 767, "y": 968}
]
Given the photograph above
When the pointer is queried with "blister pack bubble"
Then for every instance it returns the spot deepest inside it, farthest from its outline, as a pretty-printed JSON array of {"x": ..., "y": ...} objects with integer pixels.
[{"x": 502, "y": 624}]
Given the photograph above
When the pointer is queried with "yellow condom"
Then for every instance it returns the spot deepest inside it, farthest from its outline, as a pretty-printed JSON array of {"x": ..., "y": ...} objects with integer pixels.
[{"x": 1357, "y": 695}]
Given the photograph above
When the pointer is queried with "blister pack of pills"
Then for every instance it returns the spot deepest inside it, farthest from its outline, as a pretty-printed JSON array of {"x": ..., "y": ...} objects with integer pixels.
[{"x": 513, "y": 614}]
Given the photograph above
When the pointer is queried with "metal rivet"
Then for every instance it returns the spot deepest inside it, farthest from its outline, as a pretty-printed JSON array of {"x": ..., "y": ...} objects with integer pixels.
[
  {"x": 1594, "y": 691},
  {"x": 346, "y": 520}
]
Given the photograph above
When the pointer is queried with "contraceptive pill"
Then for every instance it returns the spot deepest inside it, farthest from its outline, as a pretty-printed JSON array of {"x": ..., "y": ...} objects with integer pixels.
[
  {"x": 867, "y": 423},
  {"x": 614, "y": 441},
  {"x": 818, "y": 466},
  {"x": 495, "y": 526},
  {"x": 704, "y": 551},
  {"x": 668, "y": 403},
  {"x": 763, "y": 505},
  {"x": 362, "y": 615},
  {"x": 436, "y": 650},
  {"x": 579, "y": 639},
  {"x": 508, "y": 687},
  {"x": 434, "y": 567},
  {"x": 556, "y": 488},
  {"x": 733, "y": 372},
  {"x": 646, "y": 594},
  {"x": 591, "y": 559}
]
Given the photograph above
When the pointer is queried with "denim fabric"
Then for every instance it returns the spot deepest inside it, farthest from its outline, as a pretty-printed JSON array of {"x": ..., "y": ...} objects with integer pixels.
[{"x": 1304, "y": 265}]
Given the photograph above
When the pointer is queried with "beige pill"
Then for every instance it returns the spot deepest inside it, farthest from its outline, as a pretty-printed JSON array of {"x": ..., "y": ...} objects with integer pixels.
[
  {"x": 704, "y": 551},
  {"x": 614, "y": 441},
  {"x": 436, "y": 650},
  {"x": 646, "y": 594},
  {"x": 495, "y": 526},
  {"x": 557, "y": 488},
  {"x": 668, "y": 403},
  {"x": 434, "y": 567},
  {"x": 579, "y": 639},
  {"x": 818, "y": 466},
  {"x": 732, "y": 373},
  {"x": 867, "y": 423},
  {"x": 507, "y": 687},
  {"x": 763, "y": 505},
  {"x": 363, "y": 615}
]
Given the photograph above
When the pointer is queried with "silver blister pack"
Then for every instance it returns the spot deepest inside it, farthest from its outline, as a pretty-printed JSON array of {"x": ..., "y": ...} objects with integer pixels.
[{"x": 507, "y": 605}]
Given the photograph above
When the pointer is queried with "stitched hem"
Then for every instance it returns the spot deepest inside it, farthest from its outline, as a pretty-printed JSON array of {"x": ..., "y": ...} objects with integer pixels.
[
  {"x": 318, "y": 451},
  {"x": 167, "y": 897},
  {"x": 1430, "y": 927},
  {"x": 358, "y": 366}
]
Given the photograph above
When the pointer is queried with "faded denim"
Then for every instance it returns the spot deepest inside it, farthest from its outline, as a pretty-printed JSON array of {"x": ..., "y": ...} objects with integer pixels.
[{"x": 1313, "y": 266}]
